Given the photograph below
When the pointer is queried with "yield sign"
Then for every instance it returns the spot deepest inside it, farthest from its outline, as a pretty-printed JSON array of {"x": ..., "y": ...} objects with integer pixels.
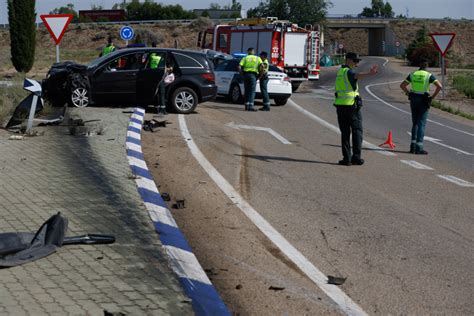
[
  {"x": 56, "y": 24},
  {"x": 443, "y": 41}
]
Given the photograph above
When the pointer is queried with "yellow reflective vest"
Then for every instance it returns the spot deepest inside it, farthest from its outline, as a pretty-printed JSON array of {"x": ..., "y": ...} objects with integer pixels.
[
  {"x": 108, "y": 49},
  {"x": 154, "y": 60},
  {"x": 250, "y": 63},
  {"x": 345, "y": 94},
  {"x": 420, "y": 81}
]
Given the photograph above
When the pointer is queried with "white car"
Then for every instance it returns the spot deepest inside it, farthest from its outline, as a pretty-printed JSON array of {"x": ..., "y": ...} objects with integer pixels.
[{"x": 230, "y": 83}]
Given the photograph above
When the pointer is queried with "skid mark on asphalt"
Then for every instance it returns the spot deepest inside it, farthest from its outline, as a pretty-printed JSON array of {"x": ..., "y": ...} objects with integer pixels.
[{"x": 345, "y": 303}]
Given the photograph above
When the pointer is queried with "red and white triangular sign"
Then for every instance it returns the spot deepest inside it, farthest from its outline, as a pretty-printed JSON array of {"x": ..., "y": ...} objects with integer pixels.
[
  {"x": 443, "y": 41},
  {"x": 56, "y": 24}
]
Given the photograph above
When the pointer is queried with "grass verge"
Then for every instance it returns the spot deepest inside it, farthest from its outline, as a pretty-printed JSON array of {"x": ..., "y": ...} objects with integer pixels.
[
  {"x": 443, "y": 107},
  {"x": 464, "y": 83}
]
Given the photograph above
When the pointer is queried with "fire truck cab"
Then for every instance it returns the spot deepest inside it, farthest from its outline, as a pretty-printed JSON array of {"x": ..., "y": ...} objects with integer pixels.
[{"x": 293, "y": 49}]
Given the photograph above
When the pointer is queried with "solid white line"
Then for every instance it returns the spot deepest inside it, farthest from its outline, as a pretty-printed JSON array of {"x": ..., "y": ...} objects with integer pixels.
[
  {"x": 336, "y": 294},
  {"x": 185, "y": 264},
  {"x": 460, "y": 182},
  {"x": 260, "y": 128},
  {"x": 367, "y": 88},
  {"x": 416, "y": 164},
  {"x": 336, "y": 129}
]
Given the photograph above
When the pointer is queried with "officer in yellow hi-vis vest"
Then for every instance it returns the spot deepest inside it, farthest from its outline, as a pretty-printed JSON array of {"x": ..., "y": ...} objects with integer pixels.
[
  {"x": 109, "y": 48},
  {"x": 348, "y": 104},
  {"x": 250, "y": 66},
  {"x": 420, "y": 101},
  {"x": 154, "y": 58}
]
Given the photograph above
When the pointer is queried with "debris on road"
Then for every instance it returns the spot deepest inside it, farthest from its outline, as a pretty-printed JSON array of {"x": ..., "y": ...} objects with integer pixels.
[
  {"x": 179, "y": 204},
  {"x": 166, "y": 197},
  {"x": 336, "y": 280},
  {"x": 276, "y": 288}
]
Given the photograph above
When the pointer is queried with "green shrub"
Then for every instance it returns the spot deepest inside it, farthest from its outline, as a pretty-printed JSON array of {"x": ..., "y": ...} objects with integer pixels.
[{"x": 464, "y": 83}]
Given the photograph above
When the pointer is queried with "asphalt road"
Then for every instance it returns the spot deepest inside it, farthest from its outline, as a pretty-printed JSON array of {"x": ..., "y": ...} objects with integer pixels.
[{"x": 399, "y": 228}]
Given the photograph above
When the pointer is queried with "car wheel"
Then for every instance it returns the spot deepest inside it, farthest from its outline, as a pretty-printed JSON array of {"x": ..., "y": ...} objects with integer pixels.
[
  {"x": 184, "y": 100},
  {"x": 280, "y": 101},
  {"x": 295, "y": 86},
  {"x": 79, "y": 97},
  {"x": 236, "y": 94}
]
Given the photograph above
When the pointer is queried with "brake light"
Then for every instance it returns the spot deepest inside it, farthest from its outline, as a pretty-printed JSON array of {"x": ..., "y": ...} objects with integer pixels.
[
  {"x": 209, "y": 77},
  {"x": 286, "y": 78}
]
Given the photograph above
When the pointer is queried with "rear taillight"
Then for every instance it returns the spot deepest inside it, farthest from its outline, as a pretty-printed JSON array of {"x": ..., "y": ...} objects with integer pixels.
[
  {"x": 286, "y": 78},
  {"x": 209, "y": 77}
]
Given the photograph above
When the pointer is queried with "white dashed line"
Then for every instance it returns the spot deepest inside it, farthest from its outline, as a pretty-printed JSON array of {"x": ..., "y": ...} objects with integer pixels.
[
  {"x": 460, "y": 182},
  {"x": 416, "y": 165}
]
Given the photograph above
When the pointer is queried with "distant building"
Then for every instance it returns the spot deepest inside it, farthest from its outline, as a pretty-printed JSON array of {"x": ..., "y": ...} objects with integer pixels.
[
  {"x": 102, "y": 15},
  {"x": 218, "y": 14}
]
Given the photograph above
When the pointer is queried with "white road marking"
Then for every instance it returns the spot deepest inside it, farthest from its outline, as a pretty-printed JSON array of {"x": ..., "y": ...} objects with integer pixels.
[
  {"x": 336, "y": 129},
  {"x": 259, "y": 128},
  {"x": 439, "y": 142},
  {"x": 416, "y": 165},
  {"x": 337, "y": 295},
  {"x": 386, "y": 62},
  {"x": 367, "y": 88},
  {"x": 453, "y": 179}
]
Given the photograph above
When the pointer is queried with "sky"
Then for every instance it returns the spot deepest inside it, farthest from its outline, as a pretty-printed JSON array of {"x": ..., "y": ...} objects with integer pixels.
[{"x": 416, "y": 8}]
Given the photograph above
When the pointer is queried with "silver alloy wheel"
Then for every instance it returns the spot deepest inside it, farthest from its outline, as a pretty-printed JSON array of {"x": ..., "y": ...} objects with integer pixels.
[
  {"x": 184, "y": 101},
  {"x": 236, "y": 94},
  {"x": 79, "y": 97}
]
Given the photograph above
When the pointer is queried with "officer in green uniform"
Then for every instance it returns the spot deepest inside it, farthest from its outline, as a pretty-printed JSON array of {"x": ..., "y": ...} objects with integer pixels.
[
  {"x": 249, "y": 66},
  {"x": 109, "y": 48},
  {"x": 420, "y": 101},
  {"x": 348, "y": 105},
  {"x": 154, "y": 58},
  {"x": 264, "y": 66}
]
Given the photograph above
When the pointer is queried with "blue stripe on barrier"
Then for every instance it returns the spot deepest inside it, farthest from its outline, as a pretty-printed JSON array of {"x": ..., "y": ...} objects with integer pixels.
[
  {"x": 172, "y": 236},
  {"x": 134, "y": 140},
  {"x": 144, "y": 173},
  {"x": 151, "y": 197},
  {"x": 139, "y": 113},
  {"x": 134, "y": 120},
  {"x": 205, "y": 299},
  {"x": 134, "y": 129},
  {"x": 136, "y": 154}
]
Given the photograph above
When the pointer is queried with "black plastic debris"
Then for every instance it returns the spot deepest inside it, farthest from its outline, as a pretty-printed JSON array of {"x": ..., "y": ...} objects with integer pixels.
[
  {"x": 276, "y": 288},
  {"x": 336, "y": 280},
  {"x": 166, "y": 197},
  {"x": 22, "y": 111},
  {"x": 179, "y": 204},
  {"x": 21, "y": 248}
]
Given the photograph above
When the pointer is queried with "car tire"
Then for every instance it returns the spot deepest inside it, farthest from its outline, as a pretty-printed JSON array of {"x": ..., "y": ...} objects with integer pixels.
[
  {"x": 184, "y": 100},
  {"x": 79, "y": 93},
  {"x": 280, "y": 101},
  {"x": 235, "y": 94},
  {"x": 295, "y": 86}
]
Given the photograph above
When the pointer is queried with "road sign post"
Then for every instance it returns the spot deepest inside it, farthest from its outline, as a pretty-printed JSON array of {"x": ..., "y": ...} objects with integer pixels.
[
  {"x": 34, "y": 87},
  {"x": 126, "y": 33},
  {"x": 56, "y": 25},
  {"x": 442, "y": 42}
]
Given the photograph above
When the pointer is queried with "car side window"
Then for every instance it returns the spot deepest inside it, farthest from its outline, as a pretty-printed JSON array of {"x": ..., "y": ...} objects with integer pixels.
[
  {"x": 222, "y": 66},
  {"x": 232, "y": 66},
  {"x": 150, "y": 60},
  {"x": 126, "y": 63},
  {"x": 185, "y": 61}
]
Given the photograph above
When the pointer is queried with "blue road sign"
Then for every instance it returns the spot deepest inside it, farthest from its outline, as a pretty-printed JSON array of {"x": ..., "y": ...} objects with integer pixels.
[{"x": 126, "y": 33}]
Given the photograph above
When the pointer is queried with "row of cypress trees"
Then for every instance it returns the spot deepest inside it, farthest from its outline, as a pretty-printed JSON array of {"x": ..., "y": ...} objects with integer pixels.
[{"x": 22, "y": 17}]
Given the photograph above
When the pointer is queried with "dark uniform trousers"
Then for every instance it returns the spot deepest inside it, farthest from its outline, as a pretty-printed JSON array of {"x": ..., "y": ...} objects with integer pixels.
[{"x": 350, "y": 119}]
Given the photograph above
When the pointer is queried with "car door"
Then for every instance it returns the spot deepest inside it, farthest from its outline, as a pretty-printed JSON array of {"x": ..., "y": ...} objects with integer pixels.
[
  {"x": 230, "y": 75},
  {"x": 221, "y": 77},
  {"x": 115, "y": 81},
  {"x": 148, "y": 78}
]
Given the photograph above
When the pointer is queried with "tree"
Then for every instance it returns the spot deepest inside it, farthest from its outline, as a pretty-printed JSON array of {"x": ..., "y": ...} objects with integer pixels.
[
  {"x": 298, "y": 11},
  {"x": 422, "y": 48},
  {"x": 97, "y": 7},
  {"x": 214, "y": 6},
  {"x": 21, "y": 17},
  {"x": 378, "y": 9},
  {"x": 68, "y": 9}
]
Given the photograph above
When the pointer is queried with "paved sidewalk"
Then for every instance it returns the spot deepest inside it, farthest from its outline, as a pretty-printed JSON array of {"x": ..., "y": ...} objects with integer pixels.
[{"x": 87, "y": 179}]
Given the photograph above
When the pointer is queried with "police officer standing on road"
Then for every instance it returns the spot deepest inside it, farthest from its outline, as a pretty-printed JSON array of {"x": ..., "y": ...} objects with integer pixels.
[
  {"x": 348, "y": 104},
  {"x": 420, "y": 102},
  {"x": 108, "y": 48},
  {"x": 249, "y": 66},
  {"x": 264, "y": 66}
]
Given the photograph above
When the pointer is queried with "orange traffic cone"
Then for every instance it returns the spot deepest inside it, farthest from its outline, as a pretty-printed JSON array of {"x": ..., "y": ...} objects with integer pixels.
[{"x": 389, "y": 141}]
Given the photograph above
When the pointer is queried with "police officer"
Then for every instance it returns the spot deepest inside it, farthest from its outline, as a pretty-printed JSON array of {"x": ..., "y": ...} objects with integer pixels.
[
  {"x": 108, "y": 48},
  {"x": 348, "y": 104},
  {"x": 249, "y": 66},
  {"x": 263, "y": 77},
  {"x": 154, "y": 58},
  {"x": 420, "y": 101}
]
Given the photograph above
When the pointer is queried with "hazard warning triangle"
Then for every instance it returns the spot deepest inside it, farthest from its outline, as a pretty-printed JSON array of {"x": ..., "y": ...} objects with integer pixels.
[
  {"x": 443, "y": 41},
  {"x": 56, "y": 25}
]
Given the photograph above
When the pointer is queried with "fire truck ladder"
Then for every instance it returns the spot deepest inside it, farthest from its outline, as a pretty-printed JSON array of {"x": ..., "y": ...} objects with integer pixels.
[
  {"x": 313, "y": 48},
  {"x": 254, "y": 21}
]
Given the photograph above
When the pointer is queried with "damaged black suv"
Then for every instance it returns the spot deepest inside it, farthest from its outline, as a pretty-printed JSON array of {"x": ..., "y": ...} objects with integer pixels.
[{"x": 125, "y": 77}]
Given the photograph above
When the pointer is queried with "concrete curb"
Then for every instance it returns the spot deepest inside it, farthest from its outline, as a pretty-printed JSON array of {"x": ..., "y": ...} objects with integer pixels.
[{"x": 196, "y": 284}]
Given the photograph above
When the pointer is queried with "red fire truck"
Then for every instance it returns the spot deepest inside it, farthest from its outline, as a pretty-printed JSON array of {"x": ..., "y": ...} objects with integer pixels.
[{"x": 293, "y": 49}]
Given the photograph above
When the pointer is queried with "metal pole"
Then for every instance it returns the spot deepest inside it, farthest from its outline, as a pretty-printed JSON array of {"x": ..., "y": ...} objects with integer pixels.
[
  {"x": 32, "y": 113},
  {"x": 57, "y": 53},
  {"x": 442, "y": 75}
]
